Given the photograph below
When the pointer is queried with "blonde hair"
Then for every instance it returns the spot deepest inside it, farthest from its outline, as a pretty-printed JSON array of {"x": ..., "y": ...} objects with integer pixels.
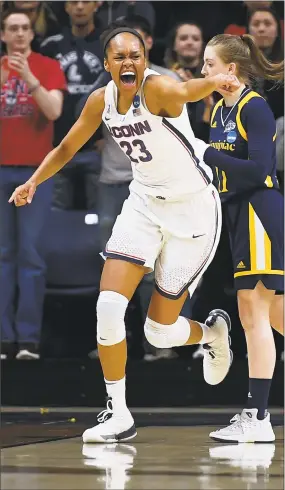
[{"x": 250, "y": 61}]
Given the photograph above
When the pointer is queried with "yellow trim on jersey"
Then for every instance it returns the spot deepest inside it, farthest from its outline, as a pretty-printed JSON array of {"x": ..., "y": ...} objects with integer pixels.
[
  {"x": 252, "y": 237},
  {"x": 257, "y": 272},
  {"x": 274, "y": 137},
  {"x": 218, "y": 104},
  {"x": 259, "y": 245},
  {"x": 268, "y": 181},
  {"x": 224, "y": 182},
  {"x": 244, "y": 101}
]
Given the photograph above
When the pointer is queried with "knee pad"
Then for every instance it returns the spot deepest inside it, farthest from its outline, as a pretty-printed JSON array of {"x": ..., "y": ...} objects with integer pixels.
[
  {"x": 111, "y": 309},
  {"x": 166, "y": 336}
]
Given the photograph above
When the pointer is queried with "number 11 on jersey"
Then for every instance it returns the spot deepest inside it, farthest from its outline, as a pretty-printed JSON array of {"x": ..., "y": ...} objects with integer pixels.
[{"x": 222, "y": 180}]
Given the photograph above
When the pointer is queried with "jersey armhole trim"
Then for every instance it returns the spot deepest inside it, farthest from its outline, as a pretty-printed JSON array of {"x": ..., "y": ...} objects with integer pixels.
[
  {"x": 143, "y": 96},
  {"x": 218, "y": 104},
  {"x": 242, "y": 103}
]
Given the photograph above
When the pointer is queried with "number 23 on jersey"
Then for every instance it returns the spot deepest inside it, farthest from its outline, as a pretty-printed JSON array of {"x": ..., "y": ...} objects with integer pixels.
[{"x": 128, "y": 148}]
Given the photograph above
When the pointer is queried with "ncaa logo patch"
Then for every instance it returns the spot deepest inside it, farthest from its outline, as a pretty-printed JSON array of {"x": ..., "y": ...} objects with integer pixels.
[
  {"x": 137, "y": 101},
  {"x": 230, "y": 127},
  {"x": 231, "y": 137}
]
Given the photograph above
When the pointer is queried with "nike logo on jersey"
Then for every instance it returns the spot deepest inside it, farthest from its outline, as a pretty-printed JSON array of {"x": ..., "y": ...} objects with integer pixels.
[
  {"x": 197, "y": 236},
  {"x": 214, "y": 125}
]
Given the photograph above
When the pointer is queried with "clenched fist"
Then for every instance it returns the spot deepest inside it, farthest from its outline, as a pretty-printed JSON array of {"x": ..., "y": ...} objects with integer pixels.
[
  {"x": 227, "y": 83},
  {"x": 23, "y": 194}
]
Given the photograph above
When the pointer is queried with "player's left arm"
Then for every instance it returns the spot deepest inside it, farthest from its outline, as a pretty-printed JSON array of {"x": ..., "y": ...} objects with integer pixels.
[
  {"x": 165, "y": 96},
  {"x": 260, "y": 126}
]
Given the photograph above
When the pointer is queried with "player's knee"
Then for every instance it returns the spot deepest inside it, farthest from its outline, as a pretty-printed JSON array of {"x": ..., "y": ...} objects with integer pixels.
[
  {"x": 245, "y": 306},
  {"x": 111, "y": 309},
  {"x": 246, "y": 322},
  {"x": 252, "y": 311},
  {"x": 245, "y": 316},
  {"x": 166, "y": 336}
]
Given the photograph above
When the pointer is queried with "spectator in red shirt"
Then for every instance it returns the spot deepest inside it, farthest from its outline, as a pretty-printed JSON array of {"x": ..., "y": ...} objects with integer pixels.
[{"x": 31, "y": 99}]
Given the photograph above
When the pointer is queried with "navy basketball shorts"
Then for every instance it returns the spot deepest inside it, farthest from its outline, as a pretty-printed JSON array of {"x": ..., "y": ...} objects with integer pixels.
[{"x": 256, "y": 229}]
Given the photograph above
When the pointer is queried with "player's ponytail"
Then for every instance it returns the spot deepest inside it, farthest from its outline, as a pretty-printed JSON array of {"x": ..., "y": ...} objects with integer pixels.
[
  {"x": 260, "y": 64},
  {"x": 250, "y": 61}
]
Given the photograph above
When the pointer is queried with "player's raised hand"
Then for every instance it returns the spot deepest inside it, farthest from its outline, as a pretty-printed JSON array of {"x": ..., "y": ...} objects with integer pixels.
[
  {"x": 24, "y": 194},
  {"x": 227, "y": 83}
]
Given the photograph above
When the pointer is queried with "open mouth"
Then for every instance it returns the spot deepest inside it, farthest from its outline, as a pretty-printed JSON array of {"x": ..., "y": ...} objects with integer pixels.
[{"x": 128, "y": 78}]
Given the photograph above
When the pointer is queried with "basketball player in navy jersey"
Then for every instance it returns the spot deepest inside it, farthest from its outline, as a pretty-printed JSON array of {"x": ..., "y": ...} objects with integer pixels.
[
  {"x": 170, "y": 222},
  {"x": 243, "y": 130}
]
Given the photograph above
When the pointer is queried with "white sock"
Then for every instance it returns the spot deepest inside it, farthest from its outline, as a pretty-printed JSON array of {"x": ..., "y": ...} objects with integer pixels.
[
  {"x": 208, "y": 334},
  {"x": 117, "y": 391}
]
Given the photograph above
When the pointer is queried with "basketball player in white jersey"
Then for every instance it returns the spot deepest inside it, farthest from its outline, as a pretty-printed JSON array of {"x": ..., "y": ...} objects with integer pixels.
[{"x": 170, "y": 223}]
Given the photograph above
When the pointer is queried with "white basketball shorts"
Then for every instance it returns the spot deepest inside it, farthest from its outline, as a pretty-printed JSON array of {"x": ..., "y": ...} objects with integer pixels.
[{"x": 177, "y": 239}]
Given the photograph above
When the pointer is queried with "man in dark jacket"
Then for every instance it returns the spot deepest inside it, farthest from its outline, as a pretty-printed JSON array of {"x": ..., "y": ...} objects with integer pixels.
[
  {"x": 110, "y": 12},
  {"x": 79, "y": 52}
]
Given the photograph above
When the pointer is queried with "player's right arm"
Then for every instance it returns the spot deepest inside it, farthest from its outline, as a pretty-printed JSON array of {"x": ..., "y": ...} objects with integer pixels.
[
  {"x": 167, "y": 96},
  {"x": 88, "y": 122}
]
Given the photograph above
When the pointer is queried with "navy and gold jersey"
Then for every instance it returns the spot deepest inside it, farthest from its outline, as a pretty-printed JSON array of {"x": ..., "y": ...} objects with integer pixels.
[
  {"x": 245, "y": 169},
  {"x": 244, "y": 136}
]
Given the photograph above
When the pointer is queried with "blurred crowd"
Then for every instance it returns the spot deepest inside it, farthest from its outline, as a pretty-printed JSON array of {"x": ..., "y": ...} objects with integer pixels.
[{"x": 50, "y": 262}]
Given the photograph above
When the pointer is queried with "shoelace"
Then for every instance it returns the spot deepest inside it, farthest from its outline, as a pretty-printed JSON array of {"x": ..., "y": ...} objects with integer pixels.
[
  {"x": 238, "y": 421},
  {"x": 213, "y": 354},
  {"x": 210, "y": 321},
  {"x": 107, "y": 413}
]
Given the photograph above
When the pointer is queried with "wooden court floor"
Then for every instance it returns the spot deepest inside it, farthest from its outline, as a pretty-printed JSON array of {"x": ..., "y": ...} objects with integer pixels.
[{"x": 172, "y": 451}]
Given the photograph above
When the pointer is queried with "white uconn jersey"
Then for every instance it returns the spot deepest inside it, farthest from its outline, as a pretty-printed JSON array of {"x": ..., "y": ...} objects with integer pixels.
[{"x": 161, "y": 149}]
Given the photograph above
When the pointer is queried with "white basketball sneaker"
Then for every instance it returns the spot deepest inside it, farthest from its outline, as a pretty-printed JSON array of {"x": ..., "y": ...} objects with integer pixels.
[
  {"x": 112, "y": 427},
  {"x": 246, "y": 428},
  {"x": 217, "y": 354}
]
